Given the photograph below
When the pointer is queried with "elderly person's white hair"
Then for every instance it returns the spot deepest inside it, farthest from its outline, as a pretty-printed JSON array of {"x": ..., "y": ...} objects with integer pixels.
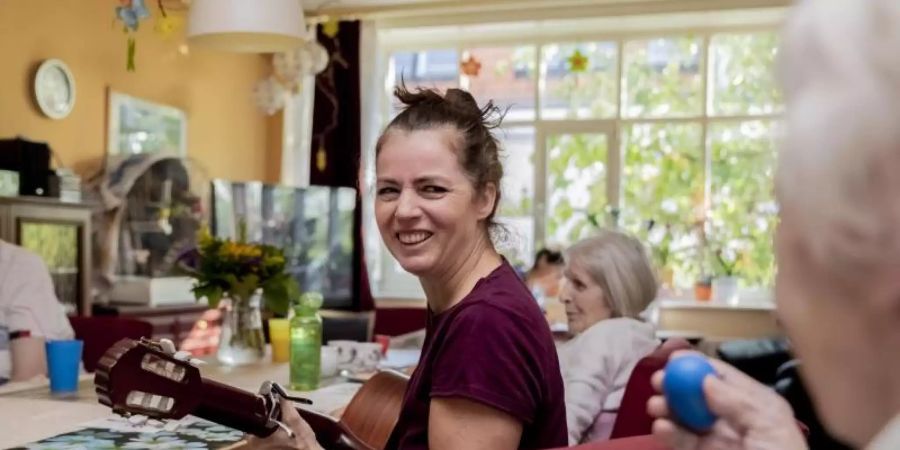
[{"x": 839, "y": 168}]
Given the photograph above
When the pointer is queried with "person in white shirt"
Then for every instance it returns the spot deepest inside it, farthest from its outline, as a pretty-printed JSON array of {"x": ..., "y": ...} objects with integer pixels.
[
  {"x": 30, "y": 314},
  {"x": 608, "y": 282},
  {"x": 837, "y": 246}
]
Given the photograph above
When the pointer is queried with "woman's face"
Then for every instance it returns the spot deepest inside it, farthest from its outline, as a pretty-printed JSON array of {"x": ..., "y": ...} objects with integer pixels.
[
  {"x": 426, "y": 207},
  {"x": 585, "y": 302}
]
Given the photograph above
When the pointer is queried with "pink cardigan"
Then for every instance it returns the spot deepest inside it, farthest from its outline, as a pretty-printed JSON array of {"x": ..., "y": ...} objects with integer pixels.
[{"x": 596, "y": 365}]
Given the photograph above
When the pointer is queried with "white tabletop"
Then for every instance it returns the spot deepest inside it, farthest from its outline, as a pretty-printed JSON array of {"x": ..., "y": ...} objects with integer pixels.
[
  {"x": 29, "y": 413},
  {"x": 24, "y": 420}
]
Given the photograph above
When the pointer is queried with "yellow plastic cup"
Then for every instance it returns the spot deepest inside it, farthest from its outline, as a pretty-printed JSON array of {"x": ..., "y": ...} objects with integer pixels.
[{"x": 280, "y": 337}]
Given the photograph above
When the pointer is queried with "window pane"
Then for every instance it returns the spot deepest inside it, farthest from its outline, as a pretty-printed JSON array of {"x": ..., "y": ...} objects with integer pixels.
[
  {"x": 662, "y": 184},
  {"x": 662, "y": 77},
  {"x": 57, "y": 245},
  {"x": 506, "y": 77},
  {"x": 517, "y": 203},
  {"x": 576, "y": 186},
  {"x": 743, "y": 215},
  {"x": 743, "y": 74},
  {"x": 437, "y": 68},
  {"x": 568, "y": 93}
]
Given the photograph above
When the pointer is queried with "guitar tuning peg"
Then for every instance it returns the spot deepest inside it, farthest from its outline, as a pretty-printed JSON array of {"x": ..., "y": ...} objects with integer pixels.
[{"x": 167, "y": 346}]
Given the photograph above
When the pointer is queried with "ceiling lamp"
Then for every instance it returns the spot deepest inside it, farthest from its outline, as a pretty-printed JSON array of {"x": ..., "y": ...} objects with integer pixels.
[{"x": 252, "y": 26}]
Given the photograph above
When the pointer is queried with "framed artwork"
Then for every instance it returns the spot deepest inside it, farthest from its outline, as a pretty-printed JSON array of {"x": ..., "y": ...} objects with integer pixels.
[{"x": 136, "y": 126}]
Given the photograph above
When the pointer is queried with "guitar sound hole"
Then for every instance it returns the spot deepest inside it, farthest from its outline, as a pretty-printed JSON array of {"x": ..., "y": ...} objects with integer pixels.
[
  {"x": 150, "y": 402},
  {"x": 162, "y": 367}
]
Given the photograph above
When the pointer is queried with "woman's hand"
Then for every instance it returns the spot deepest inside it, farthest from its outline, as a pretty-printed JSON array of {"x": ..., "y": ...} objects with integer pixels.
[
  {"x": 303, "y": 436},
  {"x": 751, "y": 416}
]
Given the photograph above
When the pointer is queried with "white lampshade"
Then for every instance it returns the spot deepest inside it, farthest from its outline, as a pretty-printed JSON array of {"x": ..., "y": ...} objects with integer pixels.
[{"x": 253, "y": 26}]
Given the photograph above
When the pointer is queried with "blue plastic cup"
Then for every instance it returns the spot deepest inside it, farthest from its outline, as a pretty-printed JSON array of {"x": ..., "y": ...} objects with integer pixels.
[{"x": 63, "y": 358}]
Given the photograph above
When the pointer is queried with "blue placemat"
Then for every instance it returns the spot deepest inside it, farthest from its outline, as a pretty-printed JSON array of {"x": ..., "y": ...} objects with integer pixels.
[{"x": 191, "y": 434}]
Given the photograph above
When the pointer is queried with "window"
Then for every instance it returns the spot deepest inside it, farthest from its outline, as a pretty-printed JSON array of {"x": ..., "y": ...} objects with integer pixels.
[{"x": 667, "y": 136}]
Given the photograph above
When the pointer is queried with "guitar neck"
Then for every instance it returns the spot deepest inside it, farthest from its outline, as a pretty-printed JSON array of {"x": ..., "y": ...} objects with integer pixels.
[
  {"x": 233, "y": 407},
  {"x": 246, "y": 411}
]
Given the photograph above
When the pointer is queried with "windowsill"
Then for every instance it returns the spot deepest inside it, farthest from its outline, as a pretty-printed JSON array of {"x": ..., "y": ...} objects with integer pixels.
[{"x": 764, "y": 305}]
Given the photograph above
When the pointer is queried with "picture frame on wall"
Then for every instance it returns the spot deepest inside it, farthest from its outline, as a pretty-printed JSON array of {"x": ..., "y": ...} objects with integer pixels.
[{"x": 137, "y": 126}]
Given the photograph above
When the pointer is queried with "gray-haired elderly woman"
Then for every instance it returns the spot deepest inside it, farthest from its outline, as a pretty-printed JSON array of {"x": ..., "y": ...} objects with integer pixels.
[
  {"x": 838, "y": 244},
  {"x": 608, "y": 283}
]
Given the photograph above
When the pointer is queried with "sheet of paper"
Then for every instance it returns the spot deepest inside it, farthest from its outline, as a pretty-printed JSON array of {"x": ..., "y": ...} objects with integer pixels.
[{"x": 330, "y": 398}]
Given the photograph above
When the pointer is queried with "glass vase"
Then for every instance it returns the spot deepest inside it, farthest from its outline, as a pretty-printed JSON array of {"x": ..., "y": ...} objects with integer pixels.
[{"x": 241, "y": 340}]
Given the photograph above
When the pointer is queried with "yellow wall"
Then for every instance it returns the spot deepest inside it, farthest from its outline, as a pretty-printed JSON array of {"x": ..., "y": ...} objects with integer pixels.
[{"x": 227, "y": 134}]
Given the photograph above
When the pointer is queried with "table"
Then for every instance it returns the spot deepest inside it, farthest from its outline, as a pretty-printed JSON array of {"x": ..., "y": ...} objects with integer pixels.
[{"x": 29, "y": 413}]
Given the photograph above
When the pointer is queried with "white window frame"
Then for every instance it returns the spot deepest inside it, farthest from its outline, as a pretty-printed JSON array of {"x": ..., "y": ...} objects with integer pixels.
[{"x": 389, "y": 283}]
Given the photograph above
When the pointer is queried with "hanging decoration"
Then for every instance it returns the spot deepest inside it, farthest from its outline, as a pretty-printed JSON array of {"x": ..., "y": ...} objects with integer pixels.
[
  {"x": 168, "y": 24},
  {"x": 470, "y": 66},
  {"x": 331, "y": 27},
  {"x": 288, "y": 71},
  {"x": 578, "y": 62},
  {"x": 327, "y": 88},
  {"x": 270, "y": 95},
  {"x": 131, "y": 13},
  {"x": 321, "y": 159}
]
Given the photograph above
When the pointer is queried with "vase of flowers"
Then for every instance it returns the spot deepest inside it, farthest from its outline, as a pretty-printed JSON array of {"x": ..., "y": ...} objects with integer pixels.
[{"x": 238, "y": 277}]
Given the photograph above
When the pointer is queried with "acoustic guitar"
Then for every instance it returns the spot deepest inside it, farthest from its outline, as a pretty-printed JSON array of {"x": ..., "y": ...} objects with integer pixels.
[{"x": 139, "y": 377}]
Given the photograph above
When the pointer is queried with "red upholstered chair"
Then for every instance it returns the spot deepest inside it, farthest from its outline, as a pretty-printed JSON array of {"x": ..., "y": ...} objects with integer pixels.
[
  {"x": 629, "y": 443},
  {"x": 632, "y": 419},
  {"x": 100, "y": 333}
]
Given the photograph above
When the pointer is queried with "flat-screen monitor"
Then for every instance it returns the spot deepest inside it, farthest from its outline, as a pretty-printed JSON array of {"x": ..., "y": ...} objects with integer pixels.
[{"x": 314, "y": 226}]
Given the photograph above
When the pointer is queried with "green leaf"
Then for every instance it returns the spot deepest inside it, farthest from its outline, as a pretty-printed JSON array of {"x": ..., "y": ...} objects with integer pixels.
[
  {"x": 279, "y": 291},
  {"x": 242, "y": 288},
  {"x": 212, "y": 293}
]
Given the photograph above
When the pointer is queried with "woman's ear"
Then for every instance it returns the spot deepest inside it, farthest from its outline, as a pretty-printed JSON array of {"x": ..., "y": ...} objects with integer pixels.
[{"x": 484, "y": 202}]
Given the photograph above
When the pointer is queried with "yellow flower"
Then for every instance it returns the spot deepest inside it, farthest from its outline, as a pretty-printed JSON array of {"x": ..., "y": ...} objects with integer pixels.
[{"x": 204, "y": 237}]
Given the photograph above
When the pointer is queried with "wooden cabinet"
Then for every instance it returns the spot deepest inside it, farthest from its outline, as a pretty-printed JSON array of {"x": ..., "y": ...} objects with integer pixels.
[{"x": 60, "y": 233}]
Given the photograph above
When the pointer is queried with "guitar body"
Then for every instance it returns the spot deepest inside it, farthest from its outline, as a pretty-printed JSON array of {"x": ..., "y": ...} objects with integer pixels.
[
  {"x": 137, "y": 377},
  {"x": 373, "y": 412}
]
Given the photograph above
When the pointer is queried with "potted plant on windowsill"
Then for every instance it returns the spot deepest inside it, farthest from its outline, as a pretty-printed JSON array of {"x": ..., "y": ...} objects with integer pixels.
[
  {"x": 659, "y": 239},
  {"x": 725, "y": 287}
]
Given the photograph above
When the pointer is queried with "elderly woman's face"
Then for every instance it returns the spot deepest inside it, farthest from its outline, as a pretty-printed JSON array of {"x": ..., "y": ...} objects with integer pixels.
[{"x": 585, "y": 302}]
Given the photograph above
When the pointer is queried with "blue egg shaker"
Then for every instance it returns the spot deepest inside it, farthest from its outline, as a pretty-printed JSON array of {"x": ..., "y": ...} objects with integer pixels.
[{"x": 683, "y": 389}]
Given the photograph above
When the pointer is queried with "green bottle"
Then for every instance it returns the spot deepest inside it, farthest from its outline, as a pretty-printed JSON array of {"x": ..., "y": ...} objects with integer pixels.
[{"x": 306, "y": 342}]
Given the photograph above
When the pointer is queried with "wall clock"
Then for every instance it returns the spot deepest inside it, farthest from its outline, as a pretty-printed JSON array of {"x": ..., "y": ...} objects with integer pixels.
[{"x": 54, "y": 89}]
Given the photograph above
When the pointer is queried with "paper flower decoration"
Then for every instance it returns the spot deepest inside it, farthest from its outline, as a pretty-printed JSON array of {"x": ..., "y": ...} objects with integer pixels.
[
  {"x": 578, "y": 62},
  {"x": 131, "y": 13},
  {"x": 269, "y": 94},
  {"x": 331, "y": 28},
  {"x": 167, "y": 26},
  {"x": 471, "y": 66},
  {"x": 291, "y": 67}
]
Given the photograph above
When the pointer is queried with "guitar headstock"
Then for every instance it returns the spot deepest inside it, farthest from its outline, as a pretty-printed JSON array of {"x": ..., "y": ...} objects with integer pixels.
[{"x": 138, "y": 377}]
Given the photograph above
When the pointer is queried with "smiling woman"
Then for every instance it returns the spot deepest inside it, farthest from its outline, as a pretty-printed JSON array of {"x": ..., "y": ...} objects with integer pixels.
[{"x": 489, "y": 365}]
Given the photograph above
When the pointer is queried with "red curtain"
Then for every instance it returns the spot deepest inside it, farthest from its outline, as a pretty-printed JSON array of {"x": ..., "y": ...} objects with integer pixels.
[{"x": 336, "y": 144}]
